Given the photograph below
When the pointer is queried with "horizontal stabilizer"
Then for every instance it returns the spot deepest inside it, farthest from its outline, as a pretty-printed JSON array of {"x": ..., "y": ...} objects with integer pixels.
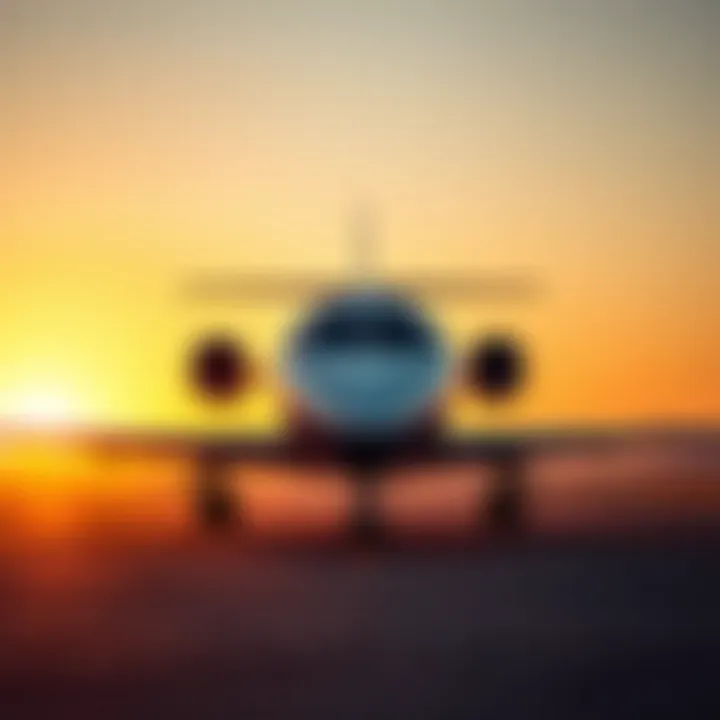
[{"x": 278, "y": 287}]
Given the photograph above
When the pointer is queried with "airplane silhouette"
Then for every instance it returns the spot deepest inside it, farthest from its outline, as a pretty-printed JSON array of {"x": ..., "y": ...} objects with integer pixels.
[{"x": 365, "y": 372}]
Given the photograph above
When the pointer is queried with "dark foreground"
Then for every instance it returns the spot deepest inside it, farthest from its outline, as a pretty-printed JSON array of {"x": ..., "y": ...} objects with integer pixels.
[
  {"x": 113, "y": 605},
  {"x": 614, "y": 628}
]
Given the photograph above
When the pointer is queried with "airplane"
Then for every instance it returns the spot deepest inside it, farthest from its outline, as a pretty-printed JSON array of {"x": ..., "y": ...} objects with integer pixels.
[
  {"x": 365, "y": 371},
  {"x": 366, "y": 374}
]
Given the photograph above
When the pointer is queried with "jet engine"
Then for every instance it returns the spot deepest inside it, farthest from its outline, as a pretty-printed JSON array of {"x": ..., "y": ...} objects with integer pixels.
[
  {"x": 496, "y": 367},
  {"x": 219, "y": 368}
]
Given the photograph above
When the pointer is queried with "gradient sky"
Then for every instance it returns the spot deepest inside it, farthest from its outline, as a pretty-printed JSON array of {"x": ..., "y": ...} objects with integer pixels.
[{"x": 142, "y": 141}]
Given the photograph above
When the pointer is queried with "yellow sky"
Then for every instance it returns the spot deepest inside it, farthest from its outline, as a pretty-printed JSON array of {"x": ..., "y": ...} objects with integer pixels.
[{"x": 143, "y": 141}]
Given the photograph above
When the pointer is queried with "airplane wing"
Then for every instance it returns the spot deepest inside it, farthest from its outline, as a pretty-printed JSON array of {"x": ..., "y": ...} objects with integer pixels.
[
  {"x": 249, "y": 448},
  {"x": 119, "y": 441},
  {"x": 276, "y": 287},
  {"x": 452, "y": 448},
  {"x": 561, "y": 441}
]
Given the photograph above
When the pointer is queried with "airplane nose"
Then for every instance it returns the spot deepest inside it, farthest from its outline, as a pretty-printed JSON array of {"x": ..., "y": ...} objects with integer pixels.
[
  {"x": 373, "y": 388},
  {"x": 367, "y": 379},
  {"x": 368, "y": 375}
]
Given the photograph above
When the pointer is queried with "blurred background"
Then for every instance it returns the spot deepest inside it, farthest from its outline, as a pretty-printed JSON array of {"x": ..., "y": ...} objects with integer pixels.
[{"x": 144, "y": 143}]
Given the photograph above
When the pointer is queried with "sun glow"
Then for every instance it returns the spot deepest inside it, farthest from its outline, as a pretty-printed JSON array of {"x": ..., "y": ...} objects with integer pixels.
[{"x": 44, "y": 407}]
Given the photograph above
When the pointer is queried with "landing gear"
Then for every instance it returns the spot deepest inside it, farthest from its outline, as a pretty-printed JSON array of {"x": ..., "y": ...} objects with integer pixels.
[
  {"x": 365, "y": 523},
  {"x": 217, "y": 507},
  {"x": 506, "y": 505}
]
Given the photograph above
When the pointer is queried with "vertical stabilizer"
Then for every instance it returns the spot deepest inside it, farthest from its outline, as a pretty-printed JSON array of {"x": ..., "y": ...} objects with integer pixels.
[{"x": 364, "y": 240}]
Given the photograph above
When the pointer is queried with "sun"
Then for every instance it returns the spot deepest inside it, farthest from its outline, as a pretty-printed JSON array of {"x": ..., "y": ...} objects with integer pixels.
[{"x": 44, "y": 408}]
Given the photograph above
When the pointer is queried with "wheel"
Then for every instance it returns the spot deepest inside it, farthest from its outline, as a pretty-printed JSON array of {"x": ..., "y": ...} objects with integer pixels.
[
  {"x": 506, "y": 505},
  {"x": 505, "y": 509},
  {"x": 217, "y": 507},
  {"x": 365, "y": 523}
]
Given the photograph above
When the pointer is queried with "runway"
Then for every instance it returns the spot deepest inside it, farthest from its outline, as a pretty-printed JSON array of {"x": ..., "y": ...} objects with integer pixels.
[
  {"x": 611, "y": 629},
  {"x": 137, "y": 615}
]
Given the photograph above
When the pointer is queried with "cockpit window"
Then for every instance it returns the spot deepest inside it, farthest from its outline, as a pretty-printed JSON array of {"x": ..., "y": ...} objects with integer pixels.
[
  {"x": 385, "y": 331},
  {"x": 331, "y": 332},
  {"x": 400, "y": 332}
]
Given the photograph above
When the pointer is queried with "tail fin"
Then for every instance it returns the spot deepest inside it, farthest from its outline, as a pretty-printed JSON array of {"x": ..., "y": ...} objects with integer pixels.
[
  {"x": 496, "y": 286},
  {"x": 364, "y": 243}
]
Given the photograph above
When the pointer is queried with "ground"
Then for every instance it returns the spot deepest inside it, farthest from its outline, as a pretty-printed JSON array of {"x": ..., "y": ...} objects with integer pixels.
[{"x": 135, "y": 614}]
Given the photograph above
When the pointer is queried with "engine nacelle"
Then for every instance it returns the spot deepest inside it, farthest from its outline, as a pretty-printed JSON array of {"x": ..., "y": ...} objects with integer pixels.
[
  {"x": 496, "y": 367},
  {"x": 219, "y": 368}
]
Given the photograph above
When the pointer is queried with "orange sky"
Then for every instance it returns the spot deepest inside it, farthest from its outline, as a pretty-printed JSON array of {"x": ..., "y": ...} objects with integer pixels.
[{"x": 143, "y": 141}]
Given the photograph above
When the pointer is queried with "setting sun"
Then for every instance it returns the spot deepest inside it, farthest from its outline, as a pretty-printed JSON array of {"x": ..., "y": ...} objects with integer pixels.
[{"x": 44, "y": 407}]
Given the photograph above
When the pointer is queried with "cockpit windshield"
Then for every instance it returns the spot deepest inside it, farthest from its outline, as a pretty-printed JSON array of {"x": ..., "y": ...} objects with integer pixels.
[{"x": 389, "y": 331}]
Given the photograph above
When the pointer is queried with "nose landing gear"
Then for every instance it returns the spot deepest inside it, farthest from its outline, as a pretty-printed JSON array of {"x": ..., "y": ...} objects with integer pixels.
[{"x": 365, "y": 525}]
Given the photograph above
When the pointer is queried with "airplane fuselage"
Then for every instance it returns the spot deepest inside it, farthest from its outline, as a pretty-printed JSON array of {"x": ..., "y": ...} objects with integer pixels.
[{"x": 367, "y": 365}]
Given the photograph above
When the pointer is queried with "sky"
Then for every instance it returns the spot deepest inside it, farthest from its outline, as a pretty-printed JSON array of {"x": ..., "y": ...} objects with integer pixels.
[{"x": 145, "y": 142}]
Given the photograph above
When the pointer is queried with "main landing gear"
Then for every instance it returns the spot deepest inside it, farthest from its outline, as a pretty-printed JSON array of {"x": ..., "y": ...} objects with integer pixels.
[
  {"x": 217, "y": 506},
  {"x": 504, "y": 510}
]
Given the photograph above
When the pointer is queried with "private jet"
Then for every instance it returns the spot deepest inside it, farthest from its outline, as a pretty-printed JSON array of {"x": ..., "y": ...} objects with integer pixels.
[{"x": 366, "y": 374}]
